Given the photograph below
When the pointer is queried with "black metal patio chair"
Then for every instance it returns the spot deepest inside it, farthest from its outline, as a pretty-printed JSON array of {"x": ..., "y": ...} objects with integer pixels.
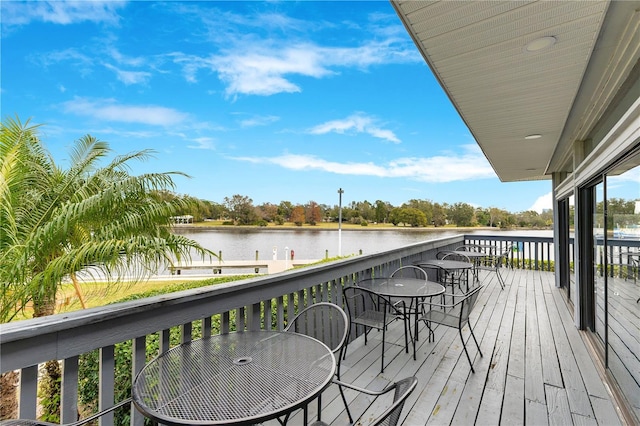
[
  {"x": 495, "y": 263},
  {"x": 328, "y": 323},
  {"x": 408, "y": 271},
  {"x": 28, "y": 422},
  {"x": 454, "y": 315},
  {"x": 373, "y": 311},
  {"x": 457, "y": 276},
  {"x": 402, "y": 389}
]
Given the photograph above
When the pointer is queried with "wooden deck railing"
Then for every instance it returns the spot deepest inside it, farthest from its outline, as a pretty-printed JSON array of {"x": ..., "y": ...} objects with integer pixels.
[
  {"x": 263, "y": 302},
  {"x": 259, "y": 303}
]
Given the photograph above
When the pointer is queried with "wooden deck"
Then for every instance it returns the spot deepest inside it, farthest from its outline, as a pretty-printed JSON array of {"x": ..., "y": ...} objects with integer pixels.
[{"x": 536, "y": 369}]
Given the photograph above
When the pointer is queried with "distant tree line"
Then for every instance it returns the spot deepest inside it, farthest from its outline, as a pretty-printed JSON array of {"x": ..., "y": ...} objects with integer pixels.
[{"x": 240, "y": 210}]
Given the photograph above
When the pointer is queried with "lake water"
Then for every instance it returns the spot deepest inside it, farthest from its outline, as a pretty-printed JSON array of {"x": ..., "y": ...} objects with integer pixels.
[{"x": 242, "y": 243}]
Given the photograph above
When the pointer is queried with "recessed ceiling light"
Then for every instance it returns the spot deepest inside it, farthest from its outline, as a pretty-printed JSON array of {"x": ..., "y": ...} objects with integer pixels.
[
  {"x": 540, "y": 44},
  {"x": 534, "y": 136}
]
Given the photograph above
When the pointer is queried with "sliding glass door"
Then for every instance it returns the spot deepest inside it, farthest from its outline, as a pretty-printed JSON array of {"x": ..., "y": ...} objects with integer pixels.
[
  {"x": 622, "y": 297},
  {"x": 611, "y": 296}
]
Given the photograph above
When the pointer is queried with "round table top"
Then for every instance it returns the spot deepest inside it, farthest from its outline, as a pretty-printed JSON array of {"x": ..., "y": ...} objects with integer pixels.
[
  {"x": 236, "y": 378},
  {"x": 446, "y": 264},
  {"x": 402, "y": 287},
  {"x": 471, "y": 254}
]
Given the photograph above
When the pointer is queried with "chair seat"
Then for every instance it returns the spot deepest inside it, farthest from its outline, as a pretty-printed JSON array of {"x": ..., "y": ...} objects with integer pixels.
[
  {"x": 449, "y": 318},
  {"x": 373, "y": 319}
]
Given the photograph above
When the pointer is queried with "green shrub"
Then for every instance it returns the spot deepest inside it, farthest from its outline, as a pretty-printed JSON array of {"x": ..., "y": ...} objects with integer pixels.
[
  {"x": 49, "y": 392},
  {"x": 89, "y": 363}
]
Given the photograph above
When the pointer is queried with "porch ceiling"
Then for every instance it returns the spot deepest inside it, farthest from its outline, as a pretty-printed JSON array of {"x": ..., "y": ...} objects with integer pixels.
[{"x": 505, "y": 92}]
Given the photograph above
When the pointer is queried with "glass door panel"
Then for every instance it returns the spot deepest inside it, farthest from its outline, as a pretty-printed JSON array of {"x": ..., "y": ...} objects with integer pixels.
[
  {"x": 623, "y": 285},
  {"x": 599, "y": 273}
]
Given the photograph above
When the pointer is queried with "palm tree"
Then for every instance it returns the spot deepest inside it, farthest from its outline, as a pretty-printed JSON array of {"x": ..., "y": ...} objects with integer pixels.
[{"x": 55, "y": 222}]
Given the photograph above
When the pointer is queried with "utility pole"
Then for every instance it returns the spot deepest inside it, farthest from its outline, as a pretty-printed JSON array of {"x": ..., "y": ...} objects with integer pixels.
[{"x": 340, "y": 192}]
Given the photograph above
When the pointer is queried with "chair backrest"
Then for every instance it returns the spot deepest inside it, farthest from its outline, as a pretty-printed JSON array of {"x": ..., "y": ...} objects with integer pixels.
[
  {"x": 467, "y": 302},
  {"x": 410, "y": 271},
  {"x": 504, "y": 256},
  {"x": 442, "y": 254},
  {"x": 324, "y": 321},
  {"x": 26, "y": 422},
  {"x": 358, "y": 300},
  {"x": 403, "y": 389}
]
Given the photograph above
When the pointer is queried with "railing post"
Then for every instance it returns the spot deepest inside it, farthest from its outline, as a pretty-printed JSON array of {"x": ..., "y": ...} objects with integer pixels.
[
  {"x": 69, "y": 390},
  {"x": 106, "y": 395},
  {"x": 28, "y": 392},
  {"x": 139, "y": 349}
]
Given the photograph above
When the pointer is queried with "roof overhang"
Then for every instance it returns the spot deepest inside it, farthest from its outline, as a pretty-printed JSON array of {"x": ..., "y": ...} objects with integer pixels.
[{"x": 527, "y": 78}]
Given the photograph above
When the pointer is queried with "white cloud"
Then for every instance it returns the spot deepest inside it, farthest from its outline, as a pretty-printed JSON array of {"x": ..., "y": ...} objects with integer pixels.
[
  {"x": 356, "y": 123},
  {"x": 124, "y": 59},
  {"x": 259, "y": 120},
  {"x": 265, "y": 73},
  {"x": 253, "y": 64},
  {"x": 109, "y": 110},
  {"x": 130, "y": 77},
  {"x": 203, "y": 143},
  {"x": 470, "y": 165},
  {"x": 60, "y": 12},
  {"x": 544, "y": 202},
  {"x": 75, "y": 57}
]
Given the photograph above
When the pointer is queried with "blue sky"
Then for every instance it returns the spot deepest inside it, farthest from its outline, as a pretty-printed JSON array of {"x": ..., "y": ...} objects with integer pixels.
[{"x": 272, "y": 100}]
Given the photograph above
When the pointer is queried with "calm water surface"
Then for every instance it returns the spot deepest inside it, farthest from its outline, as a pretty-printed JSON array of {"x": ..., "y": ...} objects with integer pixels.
[{"x": 242, "y": 243}]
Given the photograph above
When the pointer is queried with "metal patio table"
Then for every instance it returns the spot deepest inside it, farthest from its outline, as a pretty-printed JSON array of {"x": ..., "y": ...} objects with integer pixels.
[
  {"x": 476, "y": 257},
  {"x": 406, "y": 288},
  {"x": 447, "y": 265},
  {"x": 234, "y": 379}
]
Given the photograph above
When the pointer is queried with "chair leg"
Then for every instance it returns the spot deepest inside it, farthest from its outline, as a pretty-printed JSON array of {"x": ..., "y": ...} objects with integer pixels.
[
  {"x": 406, "y": 329},
  {"x": 346, "y": 406},
  {"x": 344, "y": 349},
  {"x": 465, "y": 350},
  {"x": 382, "y": 357},
  {"x": 500, "y": 279},
  {"x": 432, "y": 336},
  {"x": 474, "y": 339}
]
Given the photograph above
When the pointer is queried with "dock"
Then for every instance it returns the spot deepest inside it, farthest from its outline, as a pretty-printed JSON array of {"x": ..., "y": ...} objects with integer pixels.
[{"x": 240, "y": 266}]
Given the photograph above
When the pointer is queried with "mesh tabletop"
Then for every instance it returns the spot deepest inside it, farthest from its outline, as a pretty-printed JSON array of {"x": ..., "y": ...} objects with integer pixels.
[
  {"x": 471, "y": 254},
  {"x": 236, "y": 378},
  {"x": 402, "y": 287},
  {"x": 447, "y": 264}
]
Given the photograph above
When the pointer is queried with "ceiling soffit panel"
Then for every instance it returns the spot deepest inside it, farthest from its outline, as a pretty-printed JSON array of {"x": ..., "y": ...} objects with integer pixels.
[{"x": 503, "y": 92}]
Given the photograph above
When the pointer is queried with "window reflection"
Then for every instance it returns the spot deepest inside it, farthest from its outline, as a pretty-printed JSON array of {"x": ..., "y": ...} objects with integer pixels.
[{"x": 619, "y": 285}]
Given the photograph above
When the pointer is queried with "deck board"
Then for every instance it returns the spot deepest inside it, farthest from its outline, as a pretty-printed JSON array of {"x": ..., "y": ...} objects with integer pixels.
[{"x": 536, "y": 368}]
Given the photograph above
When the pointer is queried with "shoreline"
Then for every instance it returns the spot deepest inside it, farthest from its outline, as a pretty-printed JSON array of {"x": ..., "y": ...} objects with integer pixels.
[{"x": 334, "y": 228}]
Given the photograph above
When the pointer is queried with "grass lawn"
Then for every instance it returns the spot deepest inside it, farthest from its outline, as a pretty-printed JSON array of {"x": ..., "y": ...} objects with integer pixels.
[
  {"x": 101, "y": 293},
  {"x": 97, "y": 294}
]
